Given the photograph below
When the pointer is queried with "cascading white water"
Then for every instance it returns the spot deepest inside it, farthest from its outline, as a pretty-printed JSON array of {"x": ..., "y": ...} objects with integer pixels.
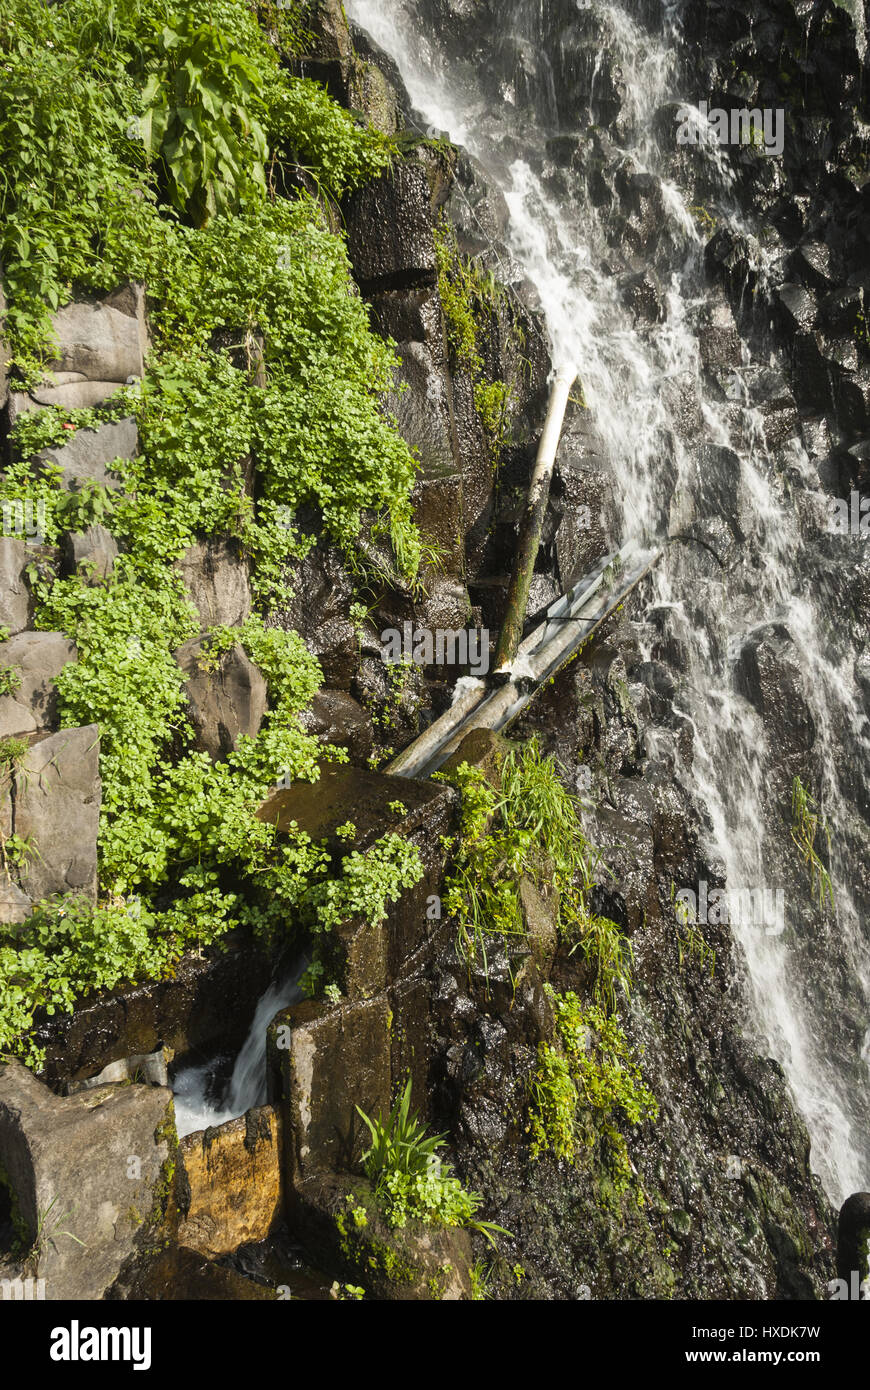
[
  {"x": 633, "y": 383},
  {"x": 196, "y": 1106}
]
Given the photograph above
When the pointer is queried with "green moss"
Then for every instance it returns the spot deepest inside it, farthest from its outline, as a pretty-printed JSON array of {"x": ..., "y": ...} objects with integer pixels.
[{"x": 467, "y": 297}]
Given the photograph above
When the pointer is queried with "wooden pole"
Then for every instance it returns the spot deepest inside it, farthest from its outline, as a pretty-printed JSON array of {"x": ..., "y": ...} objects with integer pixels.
[{"x": 533, "y": 520}]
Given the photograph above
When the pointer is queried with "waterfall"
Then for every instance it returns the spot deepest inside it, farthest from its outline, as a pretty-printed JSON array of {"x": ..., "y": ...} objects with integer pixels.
[
  {"x": 200, "y": 1101},
  {"x": 505, "y": 108}
]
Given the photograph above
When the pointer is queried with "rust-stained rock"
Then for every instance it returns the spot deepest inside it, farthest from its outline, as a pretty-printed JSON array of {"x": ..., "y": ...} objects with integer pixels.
[{"x": 234, "y": 1178}]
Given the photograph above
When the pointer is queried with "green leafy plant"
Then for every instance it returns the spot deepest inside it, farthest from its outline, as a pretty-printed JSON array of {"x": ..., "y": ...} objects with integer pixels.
[
  {"x": 691, "y": 941},
  {"x": 198, "y": 118},
  {"x": 531, "y": 828},
  {"x": 10, "y": 680},
  {"x": 590, "y": 1068},
  {"x": 410, "y": 1181}
]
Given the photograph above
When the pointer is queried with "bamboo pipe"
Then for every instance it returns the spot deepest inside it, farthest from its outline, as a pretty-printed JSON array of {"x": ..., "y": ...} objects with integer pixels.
[{"x": 533, "y": 520}]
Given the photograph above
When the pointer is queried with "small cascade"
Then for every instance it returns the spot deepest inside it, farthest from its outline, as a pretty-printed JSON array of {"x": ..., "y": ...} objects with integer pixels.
[{"x": 200, "y": 1098}]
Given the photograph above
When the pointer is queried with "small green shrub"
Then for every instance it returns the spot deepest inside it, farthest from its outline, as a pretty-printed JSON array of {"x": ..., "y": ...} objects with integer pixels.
[{"x": 531, "y": 827}]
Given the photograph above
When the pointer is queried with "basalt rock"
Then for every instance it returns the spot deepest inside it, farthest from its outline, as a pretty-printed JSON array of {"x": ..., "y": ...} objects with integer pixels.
[
  {"x": 770, "y": 674},
  {"x": 389, "y": 229},
  {"x": 208, "y": 1002},
  {"x": 224, "y": 703},
  {"x": 35, "y": 658},
  {"x": 339, "y": 720},
  {"x": 94, "y": 551},
  {"x": 233, "y": 1183},
  {"x": 332, "y": 1058},
  {"x": 54, "y": 806},
  {"x": 89, "y": 1175},
  {"x": 15, "y": 598},
  {"x": 90, "y": 454},
  {"x": 339, "y": 1220},
  {"x": 216, "y": 578},
  {"x": 102, "y": 346},
  {"x": 15, "y": 905},
  {"x": 318, "y": 611}
]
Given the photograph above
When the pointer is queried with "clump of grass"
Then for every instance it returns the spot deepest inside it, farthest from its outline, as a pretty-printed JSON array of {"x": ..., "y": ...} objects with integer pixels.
[{"x": 807, "y": 825}]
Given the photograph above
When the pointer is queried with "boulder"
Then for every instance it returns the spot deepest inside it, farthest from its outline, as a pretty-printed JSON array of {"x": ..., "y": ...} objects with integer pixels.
[
  {"x": 770, "y": 674},
  {"x": 75, "y": 394},
  {"x": 853, "y": 1237},
  {"x": 446, "y": 607},
  {"x": 412, "y": 316},
  {"x": 37, "y": 657},
  {"x": 15, "y": 906},
  {"x": 483, "y": 749},
  {"x": 224, "y": 703},
  {"x": 89, "y": 1177},
  {"x": 207, "y": 1004},
  {"x": 719, "y": 341},
  {"x": 421, "y": 405},
  {"x": 15, "y": 599},
  {"x": 144, "y": 1068},
  {"x": 95, "y": 550},
  {"x": 716, "y": 490},
  {"x": 101, "y": 347},
  {"x": 367, "y": 799},
  {"x": 340, "y": 720},
  {"x": 370, "y": 91},
  {"x": 216, "y": 578},
  {"x": 57, "y": 808},
  {"x": 439, "y": 512},
  {"x": 477, "y": 210},
  {"x": 318, "y": 611},
  {"x": 89, "y": 455},
  {"x": 99, "y": 342},
  {"x": 642, "y": 293},
  {"x": 233, "y": 1189},
  {"x": 389, "y": 225},
  {"x": 797, "y": 308}
]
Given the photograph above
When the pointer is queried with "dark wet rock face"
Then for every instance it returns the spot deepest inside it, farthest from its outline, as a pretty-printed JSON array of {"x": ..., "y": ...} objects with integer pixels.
[{"x": 733, "y": 1208}]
